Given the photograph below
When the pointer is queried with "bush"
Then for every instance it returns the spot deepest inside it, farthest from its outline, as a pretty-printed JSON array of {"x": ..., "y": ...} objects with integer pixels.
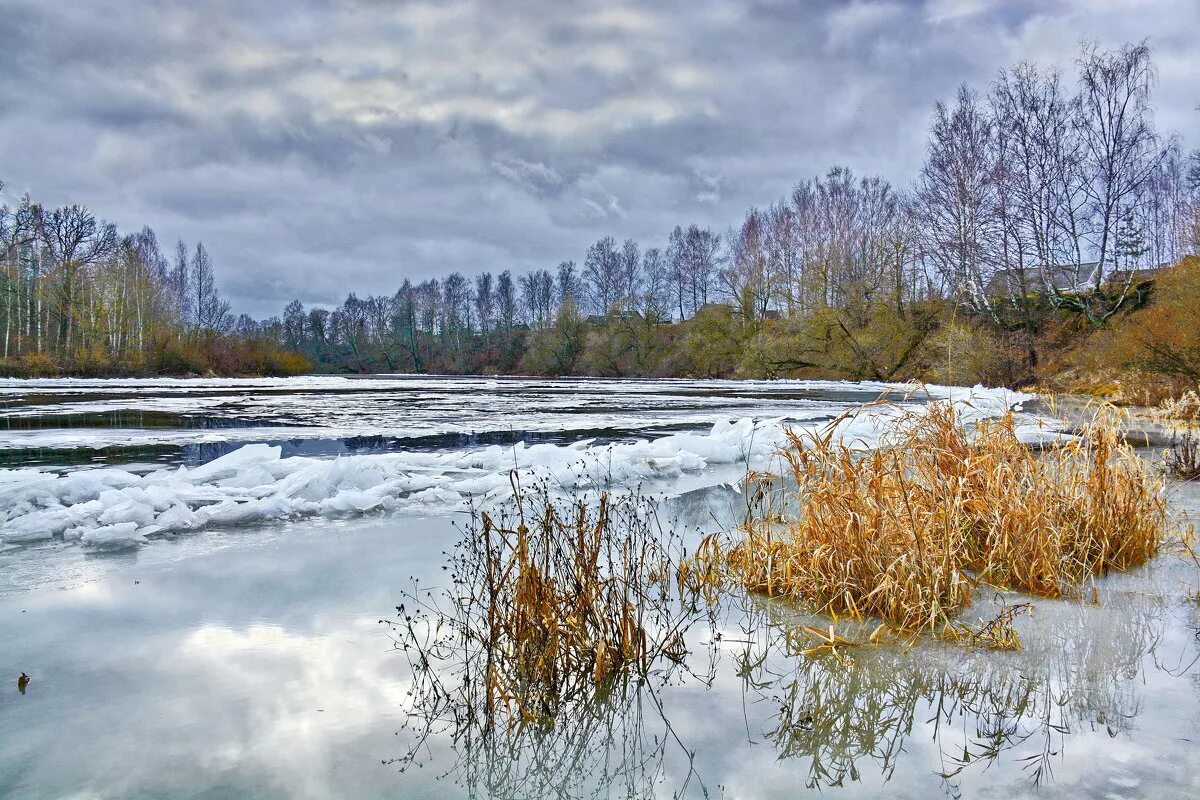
[
  {"x": 286, "y": 363},
  {"x": 177, "y": 358},
  {"x": 1162, "y": 340},
  {"x": 964, "y": 353},
  {"x": 712, "y": 343},
  {"x": 30, "y": 365},
  {"x": 94, "y": 361}
]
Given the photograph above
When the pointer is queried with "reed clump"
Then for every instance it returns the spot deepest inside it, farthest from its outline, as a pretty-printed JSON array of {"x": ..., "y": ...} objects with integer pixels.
[
  {"x": 908, "y": 531},
  {"x": 566, "y": 598},
  {"x": 1186, "y": 407},
  {"x": 1182, "y": 459},
  {"x": 551, "y": 603}
]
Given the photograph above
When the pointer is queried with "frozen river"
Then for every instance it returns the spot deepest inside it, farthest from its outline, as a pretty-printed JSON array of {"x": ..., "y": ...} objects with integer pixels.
[
  {"x": 193, "y": 573},
  {"x": 189, "y": 421},
  {"x": 109, "y": 465}
]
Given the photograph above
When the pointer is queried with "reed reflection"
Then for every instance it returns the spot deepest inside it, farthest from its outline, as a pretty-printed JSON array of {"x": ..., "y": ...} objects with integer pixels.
[
  {"x": 540, "y": 665},
  {"x": 839, "y": 713},
  {"x": 558, "y": 658}
]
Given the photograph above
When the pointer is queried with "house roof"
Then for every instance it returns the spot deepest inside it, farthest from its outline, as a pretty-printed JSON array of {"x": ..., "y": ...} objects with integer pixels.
[{"x": 1063, "y": 277}]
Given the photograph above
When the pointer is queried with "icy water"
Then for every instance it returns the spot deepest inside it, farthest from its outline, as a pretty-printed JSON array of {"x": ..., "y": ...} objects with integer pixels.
[{"x": 234, "y": 649}]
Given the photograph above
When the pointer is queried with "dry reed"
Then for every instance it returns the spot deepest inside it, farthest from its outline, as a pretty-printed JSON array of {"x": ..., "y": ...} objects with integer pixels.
[
  {"x": 550, "y": 602},
  {"x": 906, "y": 532},
  {"x": 1182, "y": 459},
  {"x": 1186, "y": 407}
]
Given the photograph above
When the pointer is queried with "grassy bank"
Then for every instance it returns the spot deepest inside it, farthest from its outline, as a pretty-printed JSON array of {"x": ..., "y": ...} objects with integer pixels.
[{"x": 1146, "y": 353}]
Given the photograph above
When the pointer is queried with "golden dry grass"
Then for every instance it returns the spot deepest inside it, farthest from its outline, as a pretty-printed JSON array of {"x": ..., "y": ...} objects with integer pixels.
[{"x": 906, "y": 533}]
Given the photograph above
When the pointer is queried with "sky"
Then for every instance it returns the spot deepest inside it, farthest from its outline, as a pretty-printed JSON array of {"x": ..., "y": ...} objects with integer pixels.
[{"x": 319, "y": 148}]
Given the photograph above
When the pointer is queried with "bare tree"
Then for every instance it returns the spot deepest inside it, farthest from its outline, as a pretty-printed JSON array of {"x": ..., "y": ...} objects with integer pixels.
[
  {"x": 18, "y": 232},
  {"x": 629, "y": 274},
  {"x": 1119, "y": 143},
  {"x": 485, "y": 303},
  {"x": 602, "y": 276},
  {"x": 784, "y": 252},
  {"x": 655, "y": 302},
  {"x": 211, "y": 310},
  {"x": 295, "y": 326},
  {"x": 957, "y": 198},
  {"x": 506, "y": 301},
  {"x": 456, "y": 309},
  {"x": 180, "y": 288},
  {"x": 1120, "y": 154},
  {"x": 569, "y": 286},
  {"x": 1041, "y": 175},
  {"x": 537, "y": 297},
  {"x": 693, "y": 258},
  {"x": 747, "y": 276},
  {"x": 74, "y": 239}
]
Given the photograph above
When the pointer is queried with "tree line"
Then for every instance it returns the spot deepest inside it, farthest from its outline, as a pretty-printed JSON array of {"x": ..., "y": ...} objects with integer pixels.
[
  {"x": 77, "y": 296},
  {"x": 1038, "y": 197}
]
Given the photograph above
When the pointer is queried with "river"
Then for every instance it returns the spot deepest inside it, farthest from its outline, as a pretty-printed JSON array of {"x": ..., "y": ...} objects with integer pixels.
[{"x": 193, "y": 573}]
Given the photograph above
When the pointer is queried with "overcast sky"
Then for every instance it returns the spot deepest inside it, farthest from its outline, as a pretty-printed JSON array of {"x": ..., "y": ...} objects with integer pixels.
[{"x": 323, "y": 147}]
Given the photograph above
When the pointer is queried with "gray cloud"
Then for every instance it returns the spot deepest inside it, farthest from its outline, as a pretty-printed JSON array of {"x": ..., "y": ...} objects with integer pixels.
[{"x": 322, "y": 146}]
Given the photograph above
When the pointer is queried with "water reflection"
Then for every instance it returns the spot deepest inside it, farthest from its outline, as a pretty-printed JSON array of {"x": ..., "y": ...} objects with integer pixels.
[
  {"x": 612, "y": 742},
  {"x": 867, "y": 716},
  {"x": 840, "y": 716},
  {"x": 253, "y": 665}
]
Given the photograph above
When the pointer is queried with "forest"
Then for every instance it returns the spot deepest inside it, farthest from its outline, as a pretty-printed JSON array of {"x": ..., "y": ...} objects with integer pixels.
[
  {"x": 78, "y": 297},
  {"x": 1048, "y": 214}
]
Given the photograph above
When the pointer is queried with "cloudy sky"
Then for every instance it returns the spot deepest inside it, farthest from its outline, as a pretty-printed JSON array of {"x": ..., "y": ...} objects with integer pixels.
[{"x": 319, "y": 147}]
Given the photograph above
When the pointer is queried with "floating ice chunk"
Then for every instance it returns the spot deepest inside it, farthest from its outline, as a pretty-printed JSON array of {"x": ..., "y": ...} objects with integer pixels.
[
  {"x": 230, "y": 464},
  {"x": 350, "y": 501},
  {"x": 177, "y": 518},
  {"x": 231, "y": 512},
  {"x": 121, "y": 536},
  {"x": 131, "y": 510},
  {"x": 37, "y": 525}
]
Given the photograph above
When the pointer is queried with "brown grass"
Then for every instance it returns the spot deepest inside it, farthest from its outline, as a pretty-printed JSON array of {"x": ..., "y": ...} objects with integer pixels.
[{"x": 906, "y": 533}]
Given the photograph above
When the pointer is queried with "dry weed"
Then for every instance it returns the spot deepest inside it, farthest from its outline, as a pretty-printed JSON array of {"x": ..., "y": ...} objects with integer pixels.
[{"x": 549, "y": 604}]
